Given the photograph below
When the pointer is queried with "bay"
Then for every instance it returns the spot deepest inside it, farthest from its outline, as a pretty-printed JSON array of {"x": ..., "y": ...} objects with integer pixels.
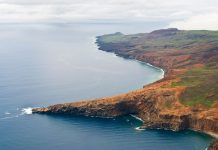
[{"x": 44, "y": 64}]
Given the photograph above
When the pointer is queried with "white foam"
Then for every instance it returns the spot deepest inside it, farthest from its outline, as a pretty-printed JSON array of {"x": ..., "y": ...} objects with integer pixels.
[
  {"x": 9, "y": 117},
  {"x": 24, "y": 111},
  {"x": 150, "y": 65},
  {"x": 27, "y": 111},
  {"x": 139, "y": 129},
  {"x": 162, "y": 74},
  {"x": 137, "y": 118},
  {"x": 7, "y": 113}
]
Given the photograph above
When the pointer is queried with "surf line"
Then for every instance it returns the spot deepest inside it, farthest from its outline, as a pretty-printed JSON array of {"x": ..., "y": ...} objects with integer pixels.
[{"x": 24, "y": 111}]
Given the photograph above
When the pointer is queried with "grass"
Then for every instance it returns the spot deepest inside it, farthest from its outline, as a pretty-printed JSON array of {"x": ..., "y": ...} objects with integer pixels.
[
  {"x": 180, "y": 40},
  {"x": 201, "y": 83},
  {"x": 201, "y": 87},
  {"x": 118, "y": 38}
]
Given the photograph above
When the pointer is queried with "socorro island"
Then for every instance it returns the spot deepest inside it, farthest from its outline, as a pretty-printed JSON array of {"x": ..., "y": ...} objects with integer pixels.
[{"x": 187, "y": 96}]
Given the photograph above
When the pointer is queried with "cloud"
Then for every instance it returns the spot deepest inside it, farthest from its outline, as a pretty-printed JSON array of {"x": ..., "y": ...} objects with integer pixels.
[
  {"x": 198, "y": 22},
  {"x": 178, "y": 13}
]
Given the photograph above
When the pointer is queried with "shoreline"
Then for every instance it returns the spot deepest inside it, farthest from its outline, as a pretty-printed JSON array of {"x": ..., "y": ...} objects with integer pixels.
[
  {"x": 157, "y": 103},
  {"x": 212, "y": 134},
  {"x": 135, "y": 60},
  {"x": 132, "y": 59}
]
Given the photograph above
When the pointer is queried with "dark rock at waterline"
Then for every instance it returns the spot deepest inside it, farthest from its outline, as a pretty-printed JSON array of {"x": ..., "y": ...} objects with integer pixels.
[{"x": 213, "y": 145}]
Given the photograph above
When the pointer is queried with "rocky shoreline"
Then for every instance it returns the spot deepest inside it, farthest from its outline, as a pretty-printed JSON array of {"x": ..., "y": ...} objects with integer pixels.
[
  {"x": 213, "y": 145},
  {"x": 157, "y": 104}
]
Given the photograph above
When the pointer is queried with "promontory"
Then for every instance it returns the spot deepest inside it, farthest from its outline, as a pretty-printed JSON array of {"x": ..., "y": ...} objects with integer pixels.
[{"x": 186, "y": 98}]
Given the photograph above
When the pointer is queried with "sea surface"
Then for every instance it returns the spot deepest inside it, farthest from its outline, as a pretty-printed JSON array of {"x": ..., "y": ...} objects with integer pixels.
[{"x": 44, "y": 64}]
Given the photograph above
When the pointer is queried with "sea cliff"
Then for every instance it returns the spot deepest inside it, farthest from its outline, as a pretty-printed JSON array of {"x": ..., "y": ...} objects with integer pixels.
[
  {"x": 213, "y": 145},
  {"x": 186, "y": 98}
]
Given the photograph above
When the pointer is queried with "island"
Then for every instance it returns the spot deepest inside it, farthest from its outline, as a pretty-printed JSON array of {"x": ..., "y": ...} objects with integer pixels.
[{"x": 187, "y": 96}]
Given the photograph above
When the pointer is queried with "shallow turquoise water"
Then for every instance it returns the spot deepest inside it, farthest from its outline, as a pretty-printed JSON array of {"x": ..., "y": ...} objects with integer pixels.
[{"x": 46, "y": 64}]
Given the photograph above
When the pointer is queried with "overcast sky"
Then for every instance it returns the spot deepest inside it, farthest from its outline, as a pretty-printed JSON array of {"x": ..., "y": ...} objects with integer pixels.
[{"x": 183, "y": 14}]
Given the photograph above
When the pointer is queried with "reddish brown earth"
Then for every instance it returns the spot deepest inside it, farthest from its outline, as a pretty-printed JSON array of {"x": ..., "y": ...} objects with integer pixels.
[
  {"x": 159, "y": 104},
  {"x": 213, "y": 145}
]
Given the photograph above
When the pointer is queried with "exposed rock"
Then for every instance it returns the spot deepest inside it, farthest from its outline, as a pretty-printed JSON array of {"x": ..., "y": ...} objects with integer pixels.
[
  {"x": 213, "y": 145},
  {"x": 149, "y": 104}
]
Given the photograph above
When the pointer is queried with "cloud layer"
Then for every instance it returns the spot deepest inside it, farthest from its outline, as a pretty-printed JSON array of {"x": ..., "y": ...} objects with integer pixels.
[
  {"x": 190, "y": 14},
  {"x": 208, "y": 21}
]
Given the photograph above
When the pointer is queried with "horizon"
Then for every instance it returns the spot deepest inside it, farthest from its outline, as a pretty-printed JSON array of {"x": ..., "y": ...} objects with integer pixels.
[{"x": 117, "y": 74}]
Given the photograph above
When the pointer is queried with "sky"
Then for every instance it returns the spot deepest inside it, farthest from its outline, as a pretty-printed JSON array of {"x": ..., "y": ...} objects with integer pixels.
[{"x": 182, "y": 14}]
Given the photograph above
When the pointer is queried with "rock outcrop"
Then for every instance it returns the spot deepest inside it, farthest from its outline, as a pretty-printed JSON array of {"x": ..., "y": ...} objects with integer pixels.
[
  {"x": 213, "y": 145},
  {"x": 149, "y": 104}
]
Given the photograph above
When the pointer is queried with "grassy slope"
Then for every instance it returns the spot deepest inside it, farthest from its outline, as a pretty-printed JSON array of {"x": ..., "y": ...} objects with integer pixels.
[
  {"x": 201, "y": 82},
  {"x": 202, "y": 87},
  {"x": 178, "y": 39}
]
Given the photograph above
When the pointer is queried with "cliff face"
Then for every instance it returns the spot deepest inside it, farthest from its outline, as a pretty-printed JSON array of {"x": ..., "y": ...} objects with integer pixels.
[
  {"x": 157, "y": 108},
  {"x": 213, "y": 145},
  {"x": 185, "y": 99}
]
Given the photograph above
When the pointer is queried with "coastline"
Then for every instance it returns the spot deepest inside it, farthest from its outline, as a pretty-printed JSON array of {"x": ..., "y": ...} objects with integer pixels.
[
  {"x": 133, "y": 59},
  {"x": 136, "y": 60},
  {"x": 212, "y": 134},
  {"x": 156, "y": 104}
]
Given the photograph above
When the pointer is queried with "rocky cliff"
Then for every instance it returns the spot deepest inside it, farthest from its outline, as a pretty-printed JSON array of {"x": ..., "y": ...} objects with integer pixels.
[
  {"x": 213, "y": 145},
  {"x": 187, "y": 97}
]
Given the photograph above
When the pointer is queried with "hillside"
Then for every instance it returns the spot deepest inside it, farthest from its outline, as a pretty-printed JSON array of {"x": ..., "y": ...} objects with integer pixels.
[
  {"x": 195, "y": 53},
  {"x": 187, "y": 97}
]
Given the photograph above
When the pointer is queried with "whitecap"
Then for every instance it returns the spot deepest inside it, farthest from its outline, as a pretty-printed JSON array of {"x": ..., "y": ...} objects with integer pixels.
[
  {"x": 7, "y": 113},
  {"x": 139, "y": 129},
  {"x": 8, "y": 117},
  {"x": 137, "y": 118},
  {"x": 27, "y": 111},
  {"x": 24, "y": 111}
]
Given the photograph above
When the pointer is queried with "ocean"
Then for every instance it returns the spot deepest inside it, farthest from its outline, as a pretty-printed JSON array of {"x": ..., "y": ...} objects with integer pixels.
[{"x": 45, "y": 64}]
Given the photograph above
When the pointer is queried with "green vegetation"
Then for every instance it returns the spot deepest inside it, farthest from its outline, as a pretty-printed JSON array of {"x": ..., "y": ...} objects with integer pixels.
[
  {"x": 202, "y": 86},
  {"x": 118, "y": 38},
  {"x": 185, "y": 38},
  {"x": 176, "y": 39},
  {"x": 201, "y": 83}
]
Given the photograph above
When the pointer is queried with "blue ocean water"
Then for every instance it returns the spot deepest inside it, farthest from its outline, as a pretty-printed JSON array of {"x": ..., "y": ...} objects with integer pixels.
[{"x": 43, "y": 64}]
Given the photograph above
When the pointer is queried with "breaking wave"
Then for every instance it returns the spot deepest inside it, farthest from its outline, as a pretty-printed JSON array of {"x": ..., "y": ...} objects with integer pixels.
[
  {"x": 24, "y": 111},
  {"x": 27, "y": 111},
  {"x": 139, "y": 129}
]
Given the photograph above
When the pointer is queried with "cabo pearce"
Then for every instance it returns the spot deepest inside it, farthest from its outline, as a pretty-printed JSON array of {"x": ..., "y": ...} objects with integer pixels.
[{"x": 167, "y": 103}]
